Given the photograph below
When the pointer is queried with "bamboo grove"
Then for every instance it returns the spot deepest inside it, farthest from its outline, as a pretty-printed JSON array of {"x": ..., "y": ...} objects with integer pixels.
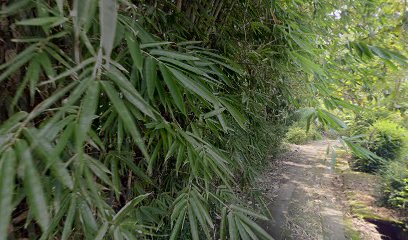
[{"x": 148, "y": 119}]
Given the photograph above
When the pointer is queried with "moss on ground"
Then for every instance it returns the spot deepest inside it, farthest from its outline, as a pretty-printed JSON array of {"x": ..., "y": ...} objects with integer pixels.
[
  {"x": 352, "y": 233},
  {"x": 360, "y": 193}
]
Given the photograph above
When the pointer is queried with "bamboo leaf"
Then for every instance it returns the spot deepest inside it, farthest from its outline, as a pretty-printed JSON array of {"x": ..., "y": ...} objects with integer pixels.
[
  {"x": 193, "y": 224},
  {"x": 186, "y": 67},
  {"x": 69, "y": 219},
  {"x": 307, "y": 64},
  {"x": 50, "y": 100},
  {"x": 41, "y": 21},
  {"x": 102, "y": 231},
  {"x": 115, "y": 176},
  {"x": 32, "y": 76},
  {"x": 180, "y": 157},
  {"x": 46, "y": 64},
  {"x": 135, "y": 52},
  {"x": 237, "y": 115},
  {"x": 154, "y": 44},
  {"x": 255, "y": 227},
  {"x": 171, "y": 150},
  {"x": 232, "y": 228},
  {"x": 173, "y": 88},
  {"x": 202, "y": 211},
  {"x": 241, "y": 230},
  {"x": 248, "y": 212},
  {"x": 8, "y": 164},
  {"x": 200, "y": 214},
  {"x": 71, "y": 71},
  {"x": 18, "y": 62},
  {"x": 26, "y": 54},
  {"x": 124, "y": 114},
  {"x": 44, "y": 148},
  {"x": 64, "y": 139},
  {"x": 215, "y": 112},
  {"x": 135, "y": 169},
  {"x": 89, "y": 105},
  {"x": 88, "y": 220},
  {"x": 150, "y": 76},
  {"x": 178, "y": 225},
  {"x": 173, "y": 55},
  {"x": 194, "y": 86},
  {"x": 99, "y": 170},
  {"x": 108, "y": 20},
  {"x": 154, "y": 158},
  {"x": 55, "y": 220},
  {"x": 179, "y": 206},
  {"x": 33, "y": 186},
  {"x": 130, "y": 93},
  {"x": 249, "y": 231},
  {"x": 123, "y": 212},
  {"x": 12, "y": 122},
  {"x": 223, "y": 224}
]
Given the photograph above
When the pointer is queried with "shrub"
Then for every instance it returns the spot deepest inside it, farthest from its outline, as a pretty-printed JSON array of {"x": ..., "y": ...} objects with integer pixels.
[
  {"x": 364, "y": 121},
  {"x": 395, "y": 184},
  {"x": 314, "y": 134},
  {"x": 387, "y": 140},
  {"x": 296, "y": 135},
  {"x": 299, "y": 135}
]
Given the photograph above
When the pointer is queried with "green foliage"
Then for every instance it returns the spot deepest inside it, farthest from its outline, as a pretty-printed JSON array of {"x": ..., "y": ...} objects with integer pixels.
[
  {"x": 363, "y": 120},
  {"x": 299, "y": 135},
  {"x": 395, "y": 184},
  {"x": 386, "y": 139},
  {"x": 296, "y": 135},
  {"x": 111, "y": 131},
  {"x": 142, "y": 119}
]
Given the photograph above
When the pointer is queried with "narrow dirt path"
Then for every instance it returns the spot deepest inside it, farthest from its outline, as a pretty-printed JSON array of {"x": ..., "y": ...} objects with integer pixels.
[{"x": 306, "y": 202}]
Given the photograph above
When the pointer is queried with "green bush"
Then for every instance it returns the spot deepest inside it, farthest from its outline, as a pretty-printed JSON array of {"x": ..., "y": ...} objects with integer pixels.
[
  {"x": 314, "y": 134},
  {"x": 363, "y": 122},
  {"x": 395, "y": 184},
  {"x": 299, "y": 135},
  {"x": 296, "y": 135},
  {"x": 387, "y": 140},
  {"x": 332, "y": 134}
]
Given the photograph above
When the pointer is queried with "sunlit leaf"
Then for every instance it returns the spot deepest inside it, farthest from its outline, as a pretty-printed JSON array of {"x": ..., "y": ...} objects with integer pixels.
[{"x": 108, "y": 15}]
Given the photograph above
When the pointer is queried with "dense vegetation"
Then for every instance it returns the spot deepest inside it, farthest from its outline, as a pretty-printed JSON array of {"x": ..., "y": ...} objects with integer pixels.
[
  {"x": 298, "y": 134},
  {"x": 146, "y": 119},
  {"x": 380, "y": 88}
]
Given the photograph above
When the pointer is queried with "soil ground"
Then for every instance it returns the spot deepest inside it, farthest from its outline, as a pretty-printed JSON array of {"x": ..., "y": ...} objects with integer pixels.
[{"x": 313, "y": 197}]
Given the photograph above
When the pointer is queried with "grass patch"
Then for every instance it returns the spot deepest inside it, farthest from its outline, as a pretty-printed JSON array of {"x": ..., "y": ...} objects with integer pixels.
[{"x": 352, "y": 233}]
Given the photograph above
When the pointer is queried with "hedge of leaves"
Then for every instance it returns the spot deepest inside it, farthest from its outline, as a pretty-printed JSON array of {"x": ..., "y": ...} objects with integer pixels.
[
  {"x": 119, "y": 121},
  {"x": 110, "y": 132}
]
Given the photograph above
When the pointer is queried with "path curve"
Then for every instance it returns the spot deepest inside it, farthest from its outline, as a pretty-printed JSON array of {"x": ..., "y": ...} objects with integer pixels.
[{"x": 306, "y": 202}]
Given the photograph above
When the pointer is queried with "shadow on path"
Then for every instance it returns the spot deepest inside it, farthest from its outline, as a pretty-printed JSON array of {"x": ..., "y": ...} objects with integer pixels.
[{"x": 306, "y": 205}]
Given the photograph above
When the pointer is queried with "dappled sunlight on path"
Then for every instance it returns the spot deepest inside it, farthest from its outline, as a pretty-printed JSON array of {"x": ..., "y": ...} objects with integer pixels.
[{"x": 307, "y": 204}]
